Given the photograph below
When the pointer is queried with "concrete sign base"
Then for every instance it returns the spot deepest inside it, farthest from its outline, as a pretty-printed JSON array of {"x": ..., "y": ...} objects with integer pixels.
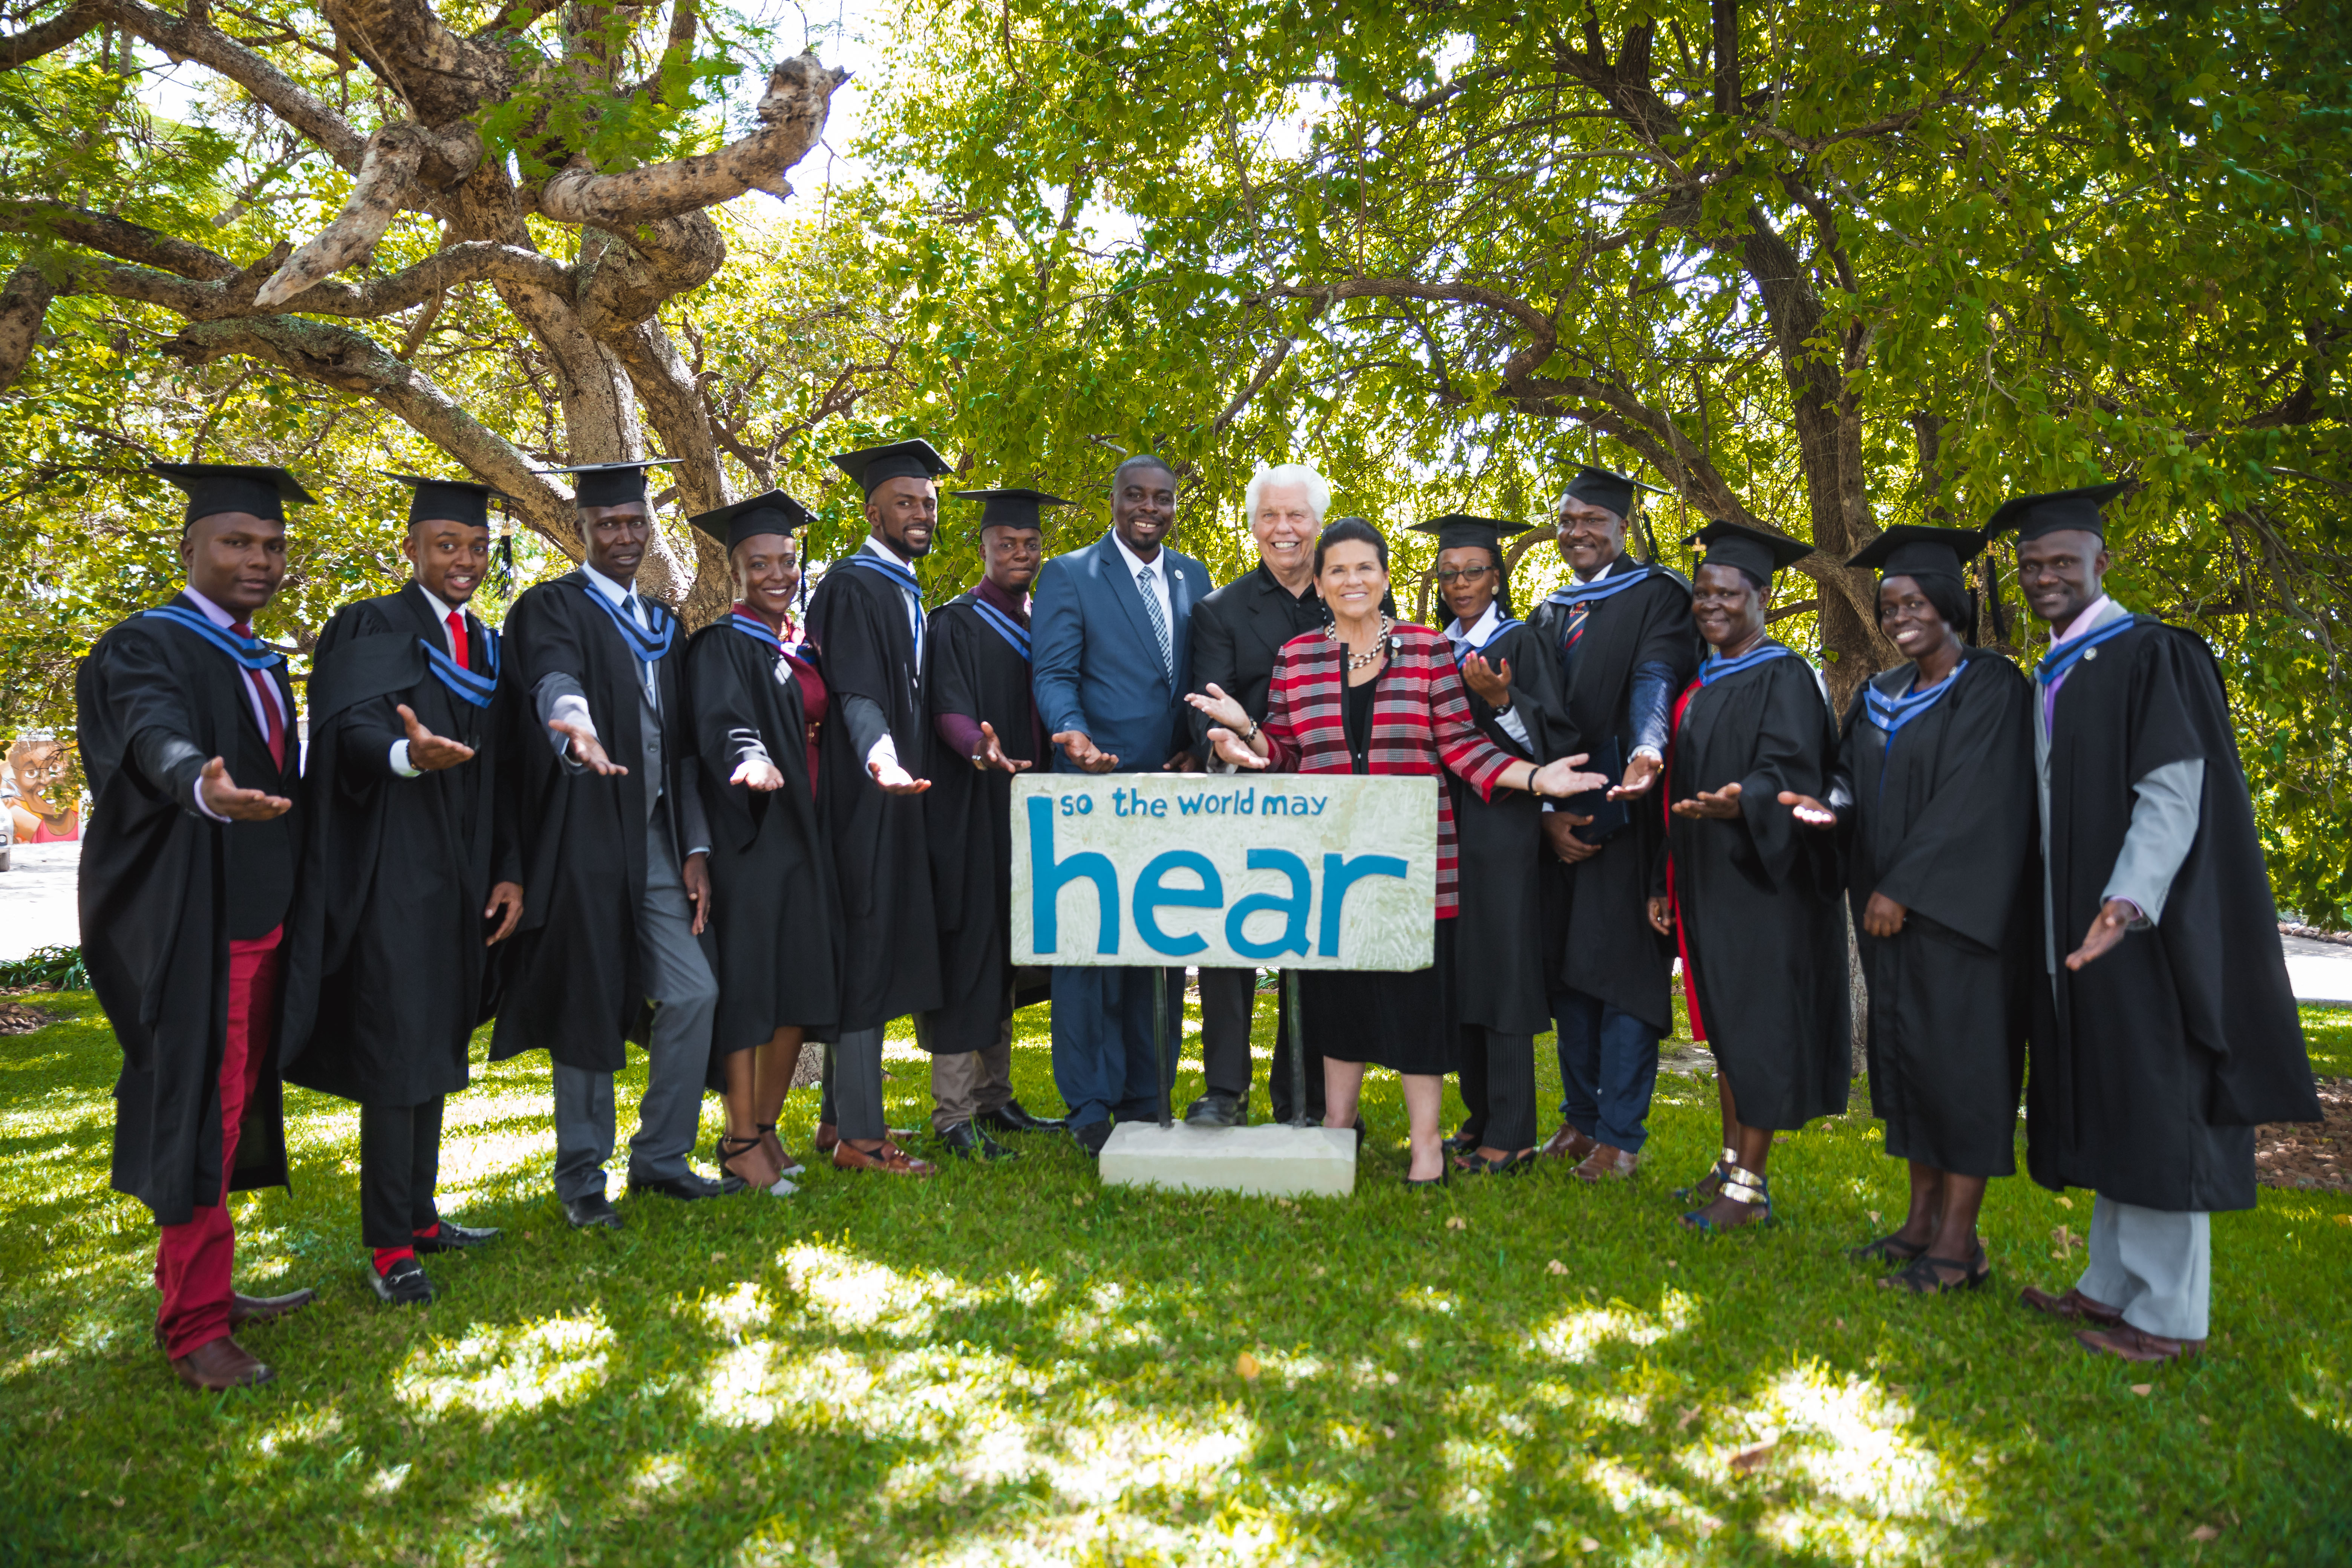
[{"x": 1269, "y": 1159}]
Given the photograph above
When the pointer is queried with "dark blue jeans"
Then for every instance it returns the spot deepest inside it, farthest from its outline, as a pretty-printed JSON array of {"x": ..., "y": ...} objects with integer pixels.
[{"x": 1608, "y": 1070}]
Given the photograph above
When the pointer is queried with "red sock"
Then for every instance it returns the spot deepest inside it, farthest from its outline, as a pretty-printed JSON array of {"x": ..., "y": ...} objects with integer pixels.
[
  {"x": 385, "y": 1257},
  {"x": 430, "y": 1231}
]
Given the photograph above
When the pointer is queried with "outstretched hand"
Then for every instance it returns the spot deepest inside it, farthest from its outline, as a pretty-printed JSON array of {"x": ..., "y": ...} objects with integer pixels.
[
  {"x": 1809, "y": 810},
  {"x": 757, "y": 774},
  {"x": 223, "y": 798},
  {"x": 1717, "y": 804},
  {"x": 1640, "y": 774},
  {"x": 2107, "y": 928},
  {"x": 1234, "y": 750},
  {"x": 991, "y": 755},
  {"x": 1559, "y": 778},
  {"x": 429, "y": 752},
  {"x": 1492, "y": 684},
  {"x": 1220, "y": 708},
  {"x": 896, "y": 780},
  {"x": 1080, "y": 748},
  {"x": 587, "y": 750}
]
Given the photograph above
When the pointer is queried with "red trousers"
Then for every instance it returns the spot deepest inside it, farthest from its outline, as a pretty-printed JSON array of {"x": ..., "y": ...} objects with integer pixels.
[{"x": 192, "y": 1260}]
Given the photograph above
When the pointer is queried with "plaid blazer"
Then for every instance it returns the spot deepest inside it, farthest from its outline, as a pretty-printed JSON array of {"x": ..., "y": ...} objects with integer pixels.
[{"x": 1421, "y": 725}]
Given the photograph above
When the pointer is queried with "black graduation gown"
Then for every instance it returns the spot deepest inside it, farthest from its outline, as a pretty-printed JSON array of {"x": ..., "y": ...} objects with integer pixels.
[
  {"x": 388, "y": 978},
  {"x": 2152, "y": 1066},
  {"x": 889, "y": 945},
  {"x": 1759, "y": 894},
  {"x": 573, "y": 986},
  {"x": 774, "y": 912},
  {"x": 1943, "y": 822},
  {"x": 970, "y": 667},
  {"x": 164, "y": 889},
  {"x": 1498, "y": 936},
  {"x": 1596, "y": 935}
]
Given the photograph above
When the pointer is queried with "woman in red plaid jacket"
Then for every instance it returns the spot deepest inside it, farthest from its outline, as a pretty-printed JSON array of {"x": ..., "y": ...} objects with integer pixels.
[{"x": 1368, "y": 696}]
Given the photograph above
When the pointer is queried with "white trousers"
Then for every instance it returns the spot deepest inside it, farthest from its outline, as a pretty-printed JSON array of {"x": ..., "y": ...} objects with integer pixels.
[{"x": 2154, "y": 1263}]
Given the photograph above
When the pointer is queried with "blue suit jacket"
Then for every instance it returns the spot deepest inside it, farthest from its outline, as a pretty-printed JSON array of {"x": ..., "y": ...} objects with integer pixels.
[{"x": 1097, "y": 664}]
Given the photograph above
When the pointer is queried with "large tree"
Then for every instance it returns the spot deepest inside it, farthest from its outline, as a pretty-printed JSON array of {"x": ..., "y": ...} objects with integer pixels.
[
  {"x": 563, "y": 156},
  {"x": 1811, "y": 268}
]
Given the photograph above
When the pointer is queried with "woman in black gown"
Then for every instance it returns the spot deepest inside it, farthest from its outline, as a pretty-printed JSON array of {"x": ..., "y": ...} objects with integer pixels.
[
  {"x": 1932, "y": 799},
  {"x": 774, "y": 911},
  {"x": 1749, "y": 895},
  {"x": 1500, "y": 1005},
  {"x": 1367, "y": 695}
]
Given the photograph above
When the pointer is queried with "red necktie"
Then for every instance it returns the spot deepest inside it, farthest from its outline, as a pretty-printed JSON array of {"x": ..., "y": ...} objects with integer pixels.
[
  {"x": 268, "y": 695},
  {"x": 457, "y": 639}
]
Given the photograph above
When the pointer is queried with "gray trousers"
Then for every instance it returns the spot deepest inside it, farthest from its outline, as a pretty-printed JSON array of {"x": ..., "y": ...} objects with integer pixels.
[
  {"x": 851, "y": 1096},
  {"x": 968, "y": 1084},
  {"x": 686, "y": 1000},
  {"x": 2155, "y": 1265}
]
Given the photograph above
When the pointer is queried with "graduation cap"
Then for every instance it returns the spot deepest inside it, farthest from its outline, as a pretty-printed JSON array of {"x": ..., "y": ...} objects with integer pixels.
[
  {"x": 877, "y": 466},
  {"x": 455, "y": 500},
  {"x": 610, "y": 484},
  {"x": 1458, "y": 531},
  {"x": 774, "y": 512},
  {"x": 1010, "y": 509},
  {"x": 1907, "y": 550},
  {"x": 255, "y": 488},
  {"x": 1600, "y": 487},
  {"x": 1753, "y": 551},
  {"x": 2033, "y": 516}
]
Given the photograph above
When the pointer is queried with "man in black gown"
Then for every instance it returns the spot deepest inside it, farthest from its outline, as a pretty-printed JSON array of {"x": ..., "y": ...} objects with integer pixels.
[
  {"x": 2170, "y": 1032},
  {"x": 617, "y": 854},
  {"x": 1237, "y": 633},
  {"x": 1622, "y": 632},
  {"x": 187, "y": 878},
  {"x": 984, "y": 729},
  {"x": 866, "y": 621},
  {"x": 410, "y": 872}
]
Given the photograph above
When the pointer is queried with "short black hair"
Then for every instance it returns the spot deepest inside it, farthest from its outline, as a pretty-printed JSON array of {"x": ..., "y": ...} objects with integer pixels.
[
  {"x": 1142, "y": 461},
  {"x": 1341, "y": 531}
]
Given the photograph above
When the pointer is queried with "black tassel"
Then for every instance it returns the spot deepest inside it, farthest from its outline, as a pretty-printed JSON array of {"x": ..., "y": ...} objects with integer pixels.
[
  {"x": 1993, "y": 599},
  {"x": 503, "y": 561}
]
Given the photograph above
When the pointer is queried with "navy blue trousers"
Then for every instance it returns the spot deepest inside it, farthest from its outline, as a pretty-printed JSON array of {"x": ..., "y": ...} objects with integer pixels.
[{"x": 1102, "y": 1041}]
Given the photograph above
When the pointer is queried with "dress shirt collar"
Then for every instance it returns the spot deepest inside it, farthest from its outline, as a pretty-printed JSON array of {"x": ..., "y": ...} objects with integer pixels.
[
  {"x": 1014, "y": 604},
  {"x": 212, "y": 612},
  {"x": 874, "y": 542},
  {"x": 441, "y": 612},
  {"x": 1482, "y": 632},
  {"x": 2089, "y": 618},
  {"x": 1136, "y": 563},
  {"x": 1620, "y": 561},
  {"x": 617, "y": 592}
]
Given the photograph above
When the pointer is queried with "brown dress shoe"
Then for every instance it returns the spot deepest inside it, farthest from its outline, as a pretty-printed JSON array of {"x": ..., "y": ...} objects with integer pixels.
[
  {"x": 2136, "y": 1344},
  {"x": 218, "y": 1364},
  {"x": 244, "y": 1309},
  {"x": 1567, "y": 1144},
  {"x": 1608, "y": 1164},
  {"x": 2073, "y": 1306},
  {"x": 889, "y": 1158}
]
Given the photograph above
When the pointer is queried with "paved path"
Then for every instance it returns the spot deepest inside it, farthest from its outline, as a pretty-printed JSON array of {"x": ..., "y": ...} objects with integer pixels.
[{"x": 37, "y": 909}]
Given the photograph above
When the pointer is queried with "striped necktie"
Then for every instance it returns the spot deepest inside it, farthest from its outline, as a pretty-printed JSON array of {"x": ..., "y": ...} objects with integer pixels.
[{"x": 1158, "y": 622}]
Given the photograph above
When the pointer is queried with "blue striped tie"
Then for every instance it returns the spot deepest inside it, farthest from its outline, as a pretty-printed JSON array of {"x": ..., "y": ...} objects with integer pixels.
[{"x": 1158, "y": 622}]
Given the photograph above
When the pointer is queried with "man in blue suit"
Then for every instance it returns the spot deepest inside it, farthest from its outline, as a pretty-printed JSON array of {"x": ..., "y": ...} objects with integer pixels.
[{"x": 1108, "y": 628}]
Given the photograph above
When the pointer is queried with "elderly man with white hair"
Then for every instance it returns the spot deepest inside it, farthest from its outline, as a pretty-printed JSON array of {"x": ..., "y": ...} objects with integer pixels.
[{"x": 1237, "y": 632}]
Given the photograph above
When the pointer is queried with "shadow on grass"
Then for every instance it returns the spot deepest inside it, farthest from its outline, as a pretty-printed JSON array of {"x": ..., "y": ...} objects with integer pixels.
[{"x": 1013, "y": 1364}]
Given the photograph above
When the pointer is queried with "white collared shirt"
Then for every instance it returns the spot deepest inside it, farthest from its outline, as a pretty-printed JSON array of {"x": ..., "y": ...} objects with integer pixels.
[
  {"x": 914, "y": 610},
  {"x": 1475, "y": 640}
]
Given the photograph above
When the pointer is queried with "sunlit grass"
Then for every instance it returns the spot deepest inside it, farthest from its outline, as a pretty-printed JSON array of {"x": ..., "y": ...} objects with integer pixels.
[{"x": 1014, "y": 1365}]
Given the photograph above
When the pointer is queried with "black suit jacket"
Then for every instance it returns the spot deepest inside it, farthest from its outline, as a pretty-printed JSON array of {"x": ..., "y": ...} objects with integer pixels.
[{"x": 1237, "y": 633}]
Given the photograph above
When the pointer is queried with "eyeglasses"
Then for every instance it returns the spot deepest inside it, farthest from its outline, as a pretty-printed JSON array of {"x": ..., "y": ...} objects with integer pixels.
[{"x": 1453, "y": 575}]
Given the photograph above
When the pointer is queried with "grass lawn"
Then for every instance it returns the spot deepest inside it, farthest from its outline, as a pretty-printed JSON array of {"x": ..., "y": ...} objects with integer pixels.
[{"x": 1013, "y": 1364}]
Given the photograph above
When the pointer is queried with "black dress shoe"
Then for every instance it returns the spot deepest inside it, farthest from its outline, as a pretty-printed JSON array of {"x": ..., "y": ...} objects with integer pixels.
[
  {"x": 595, "y": 1209},
  {"x": 686, "y": 1188},
  {"x": 454, "y": 1237},
  {"x": 403, "y": 1285},
  {"x": 1010, "y": 1118},
  {"x": 1217, "y": 1109},
  {"x": 966, "y": 1142},
  {"x": 1092, "y": 1135}
]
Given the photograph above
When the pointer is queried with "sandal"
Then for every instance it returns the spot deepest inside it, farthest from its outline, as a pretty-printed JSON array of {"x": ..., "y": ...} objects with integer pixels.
[
  {"x": 1462, "y": 1144},
  {"x": 1921, "y": 1278},
  {"x": 1741, "y": 1185},
  {"x": 785, "y": 1160},
  {"x": 725, "y": 1150},
  {"x": 1887, "y": 1249},
  {"x": 1709, "y": 1187},
  {"x": 888, "y": 1158}
]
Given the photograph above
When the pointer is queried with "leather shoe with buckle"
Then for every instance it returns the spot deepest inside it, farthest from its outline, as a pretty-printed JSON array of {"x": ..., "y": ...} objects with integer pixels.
[
  {"x": 591, "y": 1210},
  {"x": 890, "y": 1159},
  {"x": 2136, "y": 1344},
  {"x": 403, "y": 1285},
  {"x": 966, "y": 1142},
  {"x": 244, "y": 1309},
  {"x": 1216, "y": 1109},
  {"x": 1606, "y": 1163},
  {"x": 685, "y": 1189},
  {"x": 453, "y": 1238},
  {"x": 1567, "y": 1144},
  {"x": 2073, "y": 1306},
  {"x": 218, "y": 1364},
  {"x": 1012, "y": 1117}
]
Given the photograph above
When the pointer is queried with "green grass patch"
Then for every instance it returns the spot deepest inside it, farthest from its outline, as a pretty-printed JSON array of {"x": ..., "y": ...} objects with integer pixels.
[
  {"x": 1015, "y": 1364},
  {"x": 2327, "y": 1031}
]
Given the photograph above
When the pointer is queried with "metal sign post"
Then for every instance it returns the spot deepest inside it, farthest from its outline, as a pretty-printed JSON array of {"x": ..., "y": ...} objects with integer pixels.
[
  {"x": 1166, "y": 1069},
  {"x": 1297, "y": 1031}
]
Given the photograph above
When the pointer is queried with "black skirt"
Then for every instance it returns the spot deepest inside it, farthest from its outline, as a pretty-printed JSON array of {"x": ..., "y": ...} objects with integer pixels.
[{"x": 1402, "y": 1019}]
